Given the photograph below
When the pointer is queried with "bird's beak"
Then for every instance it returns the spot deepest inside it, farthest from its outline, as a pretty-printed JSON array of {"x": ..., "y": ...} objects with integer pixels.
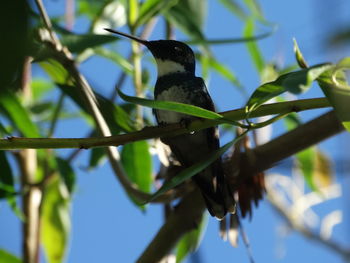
[{"x": 139, "y": 40}]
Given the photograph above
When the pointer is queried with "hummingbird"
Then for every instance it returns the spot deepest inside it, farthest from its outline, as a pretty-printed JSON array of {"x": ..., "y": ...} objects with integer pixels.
[{"x": 176, "y": 81}]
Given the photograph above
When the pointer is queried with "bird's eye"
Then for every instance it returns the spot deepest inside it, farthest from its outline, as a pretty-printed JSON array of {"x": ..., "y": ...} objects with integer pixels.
[{"x": 178, "y": 49}]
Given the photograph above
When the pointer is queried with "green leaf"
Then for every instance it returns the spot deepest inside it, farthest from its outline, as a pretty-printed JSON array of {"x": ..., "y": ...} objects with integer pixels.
[
  {"x": 187, "y": 18},
  {"x": 78, "y": 43},
  {"x": 151, "y": 8},
  {"x": 194, "y": 169},
  {"x": 299, "y": 56},
  {"x": 116, "y": 58},
  {"x": 97, "y": 155},
  {"x": 133, "y": 13},
  {"x": 191, "y": 240},
  {"x": 295, "y": 82},
  {"x": 40, "y": 87},
  {"x": 252, "y": 46},
  {"x": 235, "y": 8},
  {"x": 226, "y": 73},
  {"x": 172, "y": 106},
  {"x": 11, "y": 106},
  {"x": 7, "y": 257},
  {"x": 7, "y": 187},
  {"x": 55, "y": 70},
  {"x": 337, "y": 91},
  {"x": 67, "y": 174},
  {"x": 306, "y": 161},
  {"x": 117, "y": 119},
  {"x": 255, "y": 10},
  {"x": 137, "y": 162},
  {"x": 55, "y": 220}
]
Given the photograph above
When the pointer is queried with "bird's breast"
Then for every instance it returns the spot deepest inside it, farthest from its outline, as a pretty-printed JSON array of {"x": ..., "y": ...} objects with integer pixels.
[{"x": 176, "y": 94}]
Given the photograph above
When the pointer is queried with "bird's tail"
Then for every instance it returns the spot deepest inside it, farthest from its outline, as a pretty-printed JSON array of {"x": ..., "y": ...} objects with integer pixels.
[{"x": 216, "y": 191}]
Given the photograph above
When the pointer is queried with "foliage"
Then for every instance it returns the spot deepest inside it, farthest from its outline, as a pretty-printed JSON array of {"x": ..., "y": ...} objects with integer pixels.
[{"x": 34, "y": 108}]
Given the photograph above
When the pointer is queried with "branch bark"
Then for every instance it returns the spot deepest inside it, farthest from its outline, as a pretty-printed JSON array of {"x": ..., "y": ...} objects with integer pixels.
[
  {"x": 164, "y": 131},
  {"x": 265, "y": 156}
]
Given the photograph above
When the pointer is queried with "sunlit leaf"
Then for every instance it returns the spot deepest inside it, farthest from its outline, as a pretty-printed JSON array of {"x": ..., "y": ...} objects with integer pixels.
[
  {"x": 191, "y": 240},
  {"x": 7, "y": 257},
  {"x": 137, "y": 163},
  {"x": 11, "y": 106},
  {"x": 40, "y": 87},
  {"x": 306, "y": 162},
  {"x": 55, "y": 70},
  {"x": 172, "y": 106},
  {"x": 295, "y": 82},
  {"x": 133, "y": 13},
  {"x": 334, "y": 85},
  {"x": 252, "y": 46},
  {"x": 322, "y": 175},
  {"x": 299, "y": 56},
  {"x": 55, "y": 220}
]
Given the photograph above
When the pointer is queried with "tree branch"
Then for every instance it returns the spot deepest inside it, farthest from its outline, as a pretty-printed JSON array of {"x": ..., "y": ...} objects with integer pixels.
[
  {"x": 163, "y": 131},
  {"x": 266, "y": 156}
]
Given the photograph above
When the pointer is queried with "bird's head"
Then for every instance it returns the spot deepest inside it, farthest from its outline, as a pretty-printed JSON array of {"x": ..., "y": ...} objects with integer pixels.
[{"x": 171, "y": 56}]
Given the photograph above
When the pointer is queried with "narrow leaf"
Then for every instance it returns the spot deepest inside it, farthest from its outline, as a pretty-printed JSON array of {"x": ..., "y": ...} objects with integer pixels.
[
  {"x": 78, "y": 43},
  {"x": 116, "y": 58},
  {"x": 7, "y": 187},
  {"x": 306, "y": 161},
  {"x": 133, "y": 13},
  {"x": 7, "y": 257},
  {"x": 172, "y": 106},
  {"x": 137, "y": 162},
  {"x": 97, "y": 155},
  {"x": 186, "y": 19},
  {"x": 67, "y": 174},
  {"x": 11, "y": 106},
  {"x": 151, "y": 8},
  {"x": 55, "y": 220},
  {"x": 299, "y": 56},
  {"x": 235, "y": 8},
  {"x": 295, "y": 82},
  {"x": 252, "y": 46},
  {"x": 337, "y": 91},
  {"x": 226, "y": 73}
]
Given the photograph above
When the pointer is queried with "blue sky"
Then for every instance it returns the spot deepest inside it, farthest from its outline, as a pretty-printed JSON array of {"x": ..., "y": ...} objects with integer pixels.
[{"x": 107, "y": 227}]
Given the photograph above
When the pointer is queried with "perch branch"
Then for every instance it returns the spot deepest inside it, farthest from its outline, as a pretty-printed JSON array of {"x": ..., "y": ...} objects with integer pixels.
[{"x": 266, "y": 155}]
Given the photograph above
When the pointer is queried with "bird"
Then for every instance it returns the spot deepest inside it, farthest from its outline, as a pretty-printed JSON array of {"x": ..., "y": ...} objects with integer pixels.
[{"x": 177, "y": 82}]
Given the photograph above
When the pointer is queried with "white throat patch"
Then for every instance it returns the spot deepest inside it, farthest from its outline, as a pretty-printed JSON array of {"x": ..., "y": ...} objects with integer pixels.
[{"x": 167, "y": 66}]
